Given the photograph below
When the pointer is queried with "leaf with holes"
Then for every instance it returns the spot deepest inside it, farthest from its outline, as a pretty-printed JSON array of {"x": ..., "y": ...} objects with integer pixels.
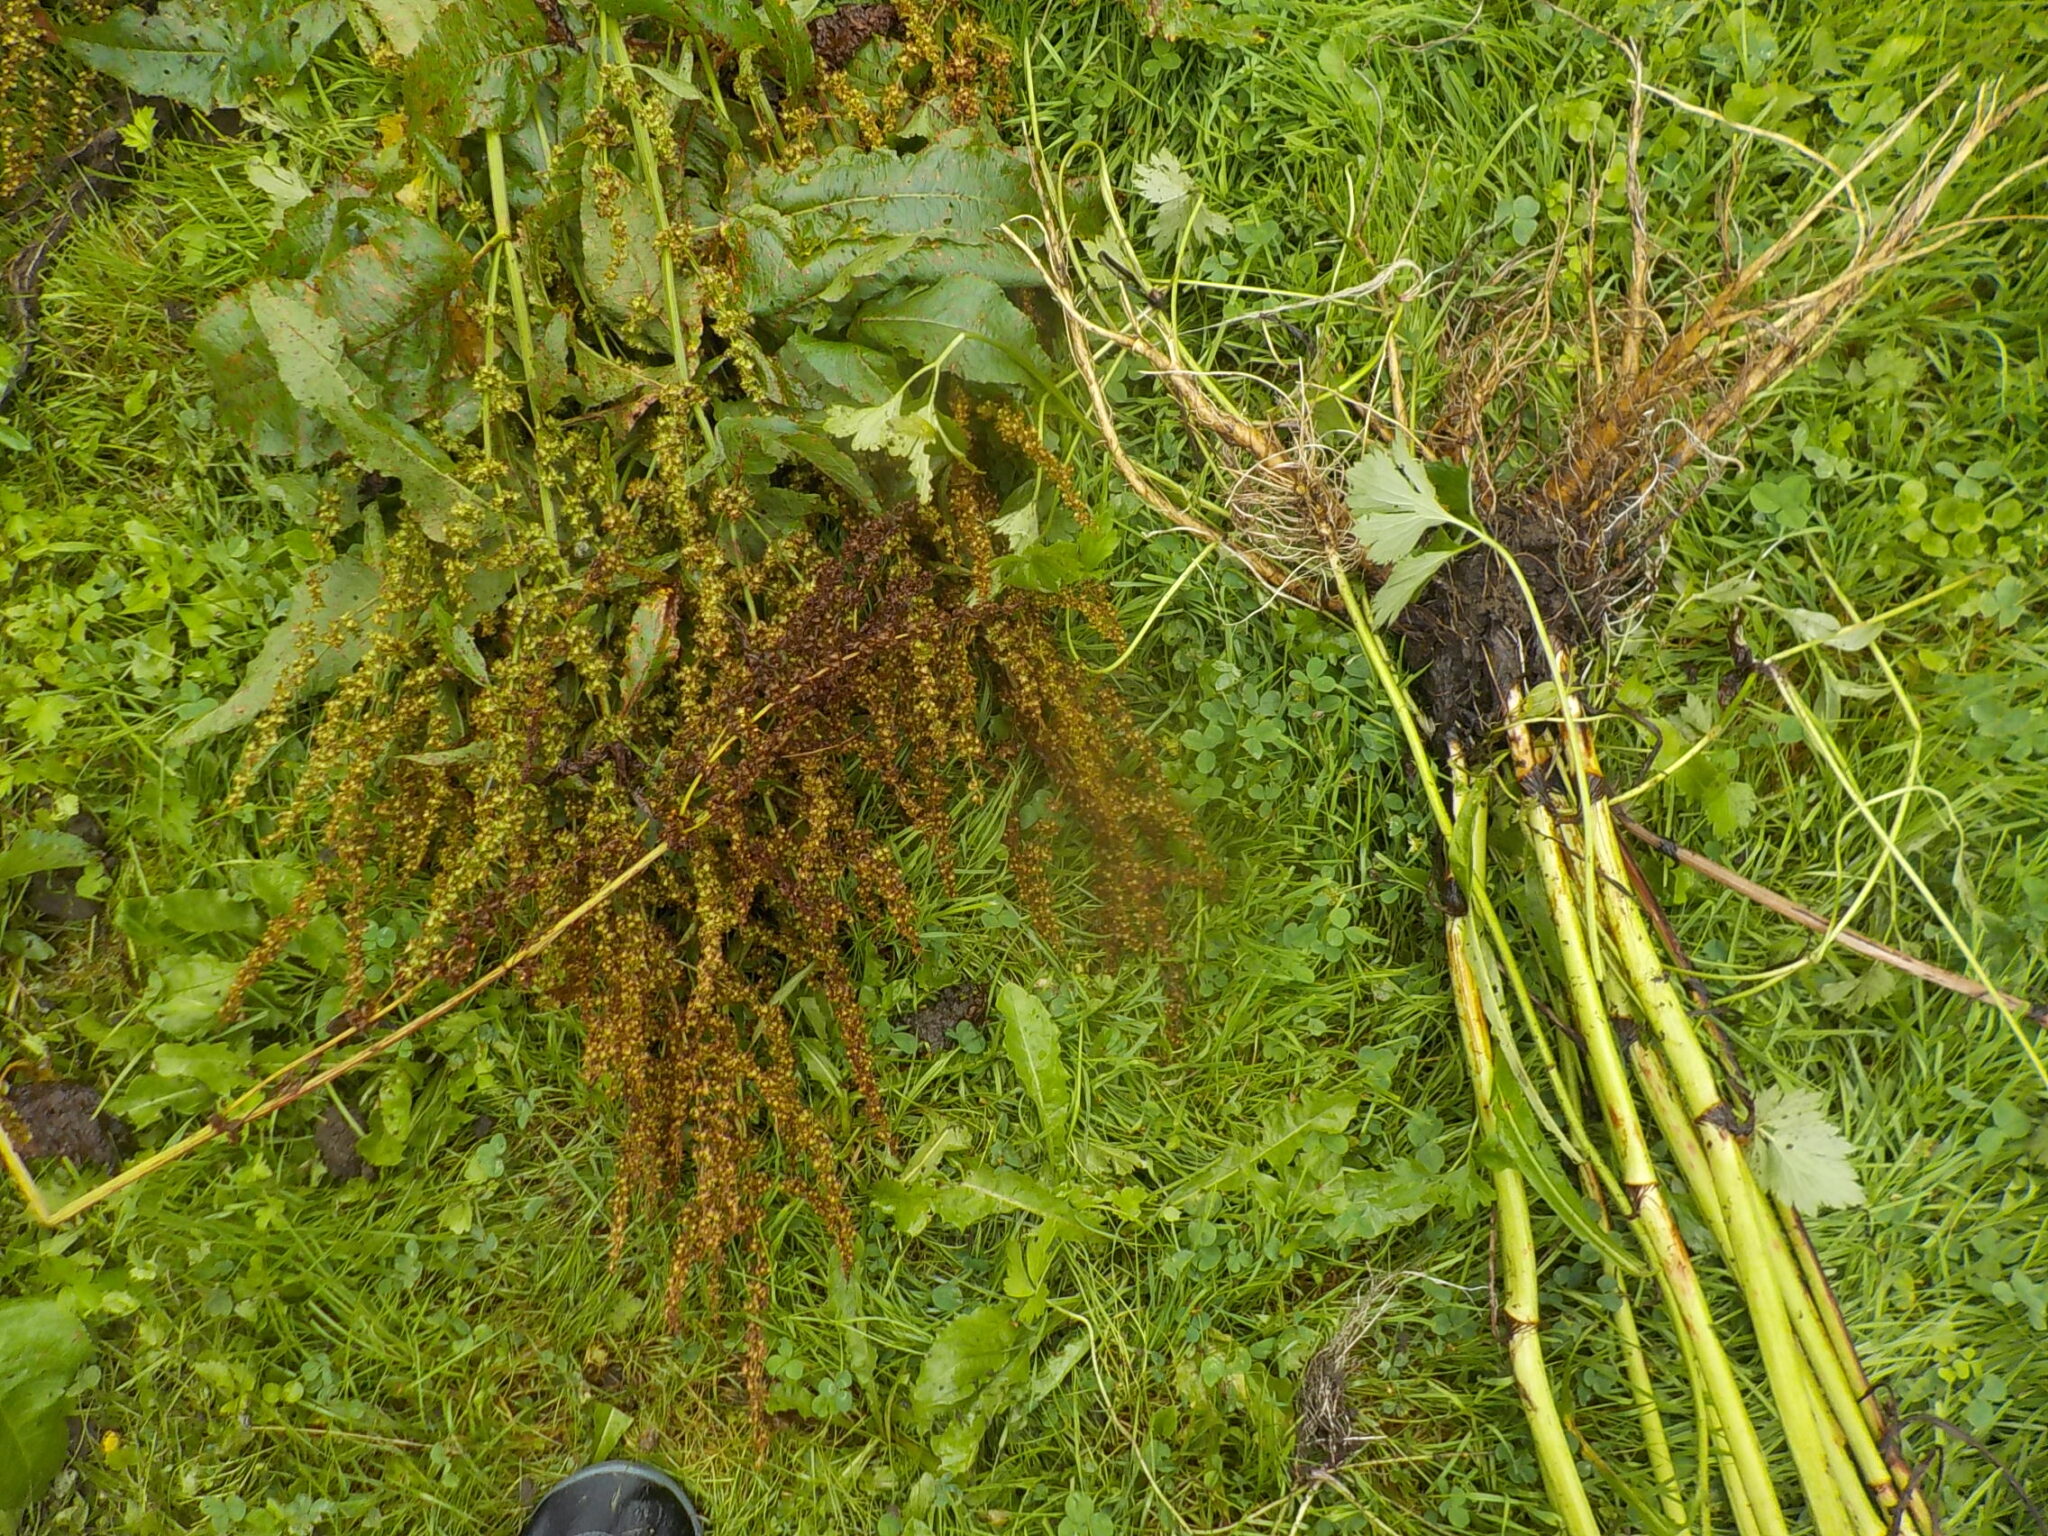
[
  {"x": 943, "y": 207},
  {"x": 968, "y": 1351}
]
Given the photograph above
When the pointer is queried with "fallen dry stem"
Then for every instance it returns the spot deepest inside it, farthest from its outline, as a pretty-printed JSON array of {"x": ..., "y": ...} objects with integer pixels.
[{"x": 1848, "y": 938}]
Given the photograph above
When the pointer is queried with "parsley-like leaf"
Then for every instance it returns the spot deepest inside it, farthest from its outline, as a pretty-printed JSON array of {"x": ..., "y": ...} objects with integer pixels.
[
  {"x": 1389, "y": 490},
  {"x": 1164, "y": 183},
  {"x": 1798, "y": 1153}
]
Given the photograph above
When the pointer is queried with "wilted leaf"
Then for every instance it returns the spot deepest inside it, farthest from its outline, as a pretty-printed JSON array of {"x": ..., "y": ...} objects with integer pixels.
[
  {"x": 188, "y": 993},
  {"x": 754, "y": 444},
  {"x": 396, "y": 271},
  {"x": 797, "y": 231},
  {"x": 1526, "y": 1148},
  {"x": 249, "y": 398},
  {"x": 147, "y": 1097},
  {"x": 1799, "y": 1155},
  {"x": 325, "y": 621},
  {"x": 732, "y": 22},
  {"x": 179, "y": 51},
  {"x": 42, "y": 1347},
  {"x": 1031, "y": 1039},
  {"x": 650, "y": 641},
  {"x": 196, "y": 913},
  {"x": 1198, "y": 21}
]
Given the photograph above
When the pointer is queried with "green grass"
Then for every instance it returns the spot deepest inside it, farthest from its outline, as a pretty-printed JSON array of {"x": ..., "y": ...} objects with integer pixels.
[{"x": 281, "y": 1354}]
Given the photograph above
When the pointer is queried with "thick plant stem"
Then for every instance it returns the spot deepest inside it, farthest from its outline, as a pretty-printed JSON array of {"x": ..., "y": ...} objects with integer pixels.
[
  {"x": 1656, "y": 1226},
  {"x": 1514, "y": 1235},
  {"x": 1642, "y": 1392},
  {"x": 1747, "y": 1241}
]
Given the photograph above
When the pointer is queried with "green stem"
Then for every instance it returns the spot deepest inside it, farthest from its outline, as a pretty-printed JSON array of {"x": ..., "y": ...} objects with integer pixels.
[
  {"x": 522, "y": 318},
  {"x": 1515, "y": 1237},
  {"x": 1397, "y": 699},
  {"x": 650, "y": 173},
  {"x": 1746, "y": 1245},
  {"x": 1655, "y": 1223}
]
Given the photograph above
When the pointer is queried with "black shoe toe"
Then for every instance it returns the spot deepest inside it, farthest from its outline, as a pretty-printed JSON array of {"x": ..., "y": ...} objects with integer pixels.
[{"x": 615, "y": 1498}]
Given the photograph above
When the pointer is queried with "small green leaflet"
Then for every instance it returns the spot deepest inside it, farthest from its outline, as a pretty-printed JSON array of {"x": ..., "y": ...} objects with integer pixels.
[
  {"x": 889, "y": 428},
  {"x": 1395, "y": 505},
  {"x": 1407, "y": 577},
  {"x": 1799, "y": 1154},
  {"x": 308, "y": 349},
  {"x": 1826, "y": 629},
  {"x": 1031, "y": 1039},
  {"x": 1164, "y": 183}
]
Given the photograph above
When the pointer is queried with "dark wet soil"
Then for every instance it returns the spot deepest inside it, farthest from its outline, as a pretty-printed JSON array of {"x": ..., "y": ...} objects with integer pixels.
[
  {"x": 1471, "y": 635},
  {"x": 964, "y": 1002},
  {"x": 58, "y": 1119}
]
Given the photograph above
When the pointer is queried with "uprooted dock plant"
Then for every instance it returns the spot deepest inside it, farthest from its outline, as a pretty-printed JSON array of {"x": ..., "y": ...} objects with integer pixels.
[
  {"x": 653, "y": 394},
  {"x": 1479, "y": 552}
]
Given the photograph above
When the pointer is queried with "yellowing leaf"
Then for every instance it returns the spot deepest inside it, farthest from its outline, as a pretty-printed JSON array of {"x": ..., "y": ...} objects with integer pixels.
[{"x": 888, "y": 428}]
